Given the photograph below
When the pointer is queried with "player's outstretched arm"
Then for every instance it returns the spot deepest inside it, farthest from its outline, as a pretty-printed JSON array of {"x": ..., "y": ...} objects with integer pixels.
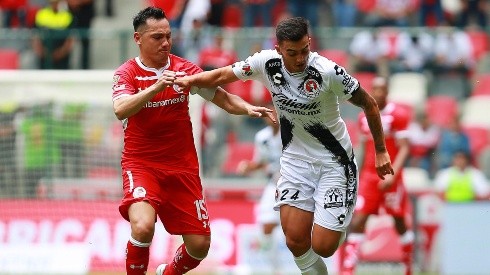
[
  {"x": 365, "y": 101},
  {"x": 234, "y": 104},
  {"x": 208, "y": 79}
]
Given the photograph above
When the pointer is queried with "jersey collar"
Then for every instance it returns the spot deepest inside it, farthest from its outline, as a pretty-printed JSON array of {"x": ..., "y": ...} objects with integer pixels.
[{"x": 144, "y": 67}]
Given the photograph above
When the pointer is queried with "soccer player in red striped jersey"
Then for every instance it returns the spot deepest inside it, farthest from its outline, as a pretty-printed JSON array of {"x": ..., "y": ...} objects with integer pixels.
[
  {"x": 388, "y": 194},
  {"x": 159, "y": 162}
]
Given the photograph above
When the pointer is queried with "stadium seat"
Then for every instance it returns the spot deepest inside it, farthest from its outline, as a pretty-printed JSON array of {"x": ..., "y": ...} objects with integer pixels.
[
  {"x": 9, "y": 59},
  {"x": 416, "y": 179},
  {"x": 235, "y": 152},
  {"x": 481, "y": 85},
  {"x": 479, "y": 139},
  {"x": 338, "y": 56},
  {"x": 479, "y": 41},
  {"x": 251, "y": 91},
  {"x": 441, "y": 109},
  {"x": 408, "y": 88},
  {"x": 475, "y": 111},
  {"x": 366, "y": 6}
]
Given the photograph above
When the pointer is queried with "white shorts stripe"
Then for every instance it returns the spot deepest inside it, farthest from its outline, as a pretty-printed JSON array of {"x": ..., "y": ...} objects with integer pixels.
[{"x": 131, "y": 181}]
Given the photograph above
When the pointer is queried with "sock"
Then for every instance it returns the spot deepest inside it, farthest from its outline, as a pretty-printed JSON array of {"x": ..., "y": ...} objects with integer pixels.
[
  {"x": 182, "y": 262},
  {"x": 137, "y": 257},
  {"x": 406, "y": 241},
  {"x": 311, "y": 263},
  {"x": 351, "y": 251}
]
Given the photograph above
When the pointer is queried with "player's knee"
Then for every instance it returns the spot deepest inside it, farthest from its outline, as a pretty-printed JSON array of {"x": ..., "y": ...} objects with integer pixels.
[
  {"x": 325, "y": 250},
  {"x": 199, "y": 247},
  {"x": 143, "y": 229},
  {"x": 297, "y": 245}
]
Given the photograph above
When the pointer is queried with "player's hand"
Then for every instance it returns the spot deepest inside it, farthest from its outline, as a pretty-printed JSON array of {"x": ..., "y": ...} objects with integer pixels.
[
  {"x": 166, "y": 79},
  {"x": 242, "y": 167},
  {"x": 259, "y": 111},
  {"x": 383, "y": 165},
  {"x": 386, "y": 183},
  {"x": 182, "y": 81}
]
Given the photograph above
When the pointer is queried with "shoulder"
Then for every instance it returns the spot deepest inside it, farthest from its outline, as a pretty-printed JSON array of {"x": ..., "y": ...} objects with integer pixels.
[
  {"x": 180, "y": 64},
  {"x": 127, "y": 67}
]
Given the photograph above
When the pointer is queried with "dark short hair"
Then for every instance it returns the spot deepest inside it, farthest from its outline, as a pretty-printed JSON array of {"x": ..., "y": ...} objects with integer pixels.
[
  {"x": 292, "y": 29},
  {"x": 145, "y": 14}
]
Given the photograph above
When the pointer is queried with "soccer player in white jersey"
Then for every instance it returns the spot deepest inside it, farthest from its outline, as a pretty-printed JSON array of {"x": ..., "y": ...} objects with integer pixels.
[
  {"x": 267, "y": 154},
  {"x": 317, "y": 190}
]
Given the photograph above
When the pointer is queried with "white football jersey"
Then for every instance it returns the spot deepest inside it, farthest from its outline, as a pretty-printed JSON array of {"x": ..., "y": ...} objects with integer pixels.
[
  {"x": 268, "y": 149},
  {"x": 307, "y": 104}
]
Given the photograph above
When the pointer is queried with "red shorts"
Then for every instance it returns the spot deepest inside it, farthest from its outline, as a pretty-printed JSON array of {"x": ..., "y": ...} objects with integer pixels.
[
  {"x": 176, "y": 196},
  {"x": 371, "y": 199}
]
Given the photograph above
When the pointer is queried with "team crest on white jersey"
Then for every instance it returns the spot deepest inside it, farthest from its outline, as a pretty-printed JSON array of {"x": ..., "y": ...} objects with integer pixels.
[
  {"x": 311, "y": 86},
  {"x": 246, "y": 70}
]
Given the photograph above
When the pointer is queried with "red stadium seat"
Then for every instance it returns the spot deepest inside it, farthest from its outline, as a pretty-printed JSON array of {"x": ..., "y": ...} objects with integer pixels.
[
  {"x": 338, "y": 56},
  {"x": 251, "y": 91},
  {"x": 366, "y": 6},
  {"x": 479, "y": 41},
  {"x": 441, "y": 109},
  {"x": 482, "y": 85},
  {"x": 9, "y": 59},
  {"x": 479, "y": 139},
  {"x": 236, "y": 151}
]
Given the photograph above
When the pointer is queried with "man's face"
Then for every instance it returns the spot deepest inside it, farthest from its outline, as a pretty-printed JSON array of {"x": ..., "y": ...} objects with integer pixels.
[
  {"x": 155, "y": 40},
  {"x": 295, "y": 54}
]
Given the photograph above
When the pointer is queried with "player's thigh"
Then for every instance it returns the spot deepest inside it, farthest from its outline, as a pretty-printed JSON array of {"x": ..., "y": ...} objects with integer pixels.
[
  {"x": 296, "y": 225},
  {"x": 142, "y": 217}
]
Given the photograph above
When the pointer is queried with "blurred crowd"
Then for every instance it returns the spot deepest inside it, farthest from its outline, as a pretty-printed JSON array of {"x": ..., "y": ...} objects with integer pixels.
[{"x": 444, "y": 43}]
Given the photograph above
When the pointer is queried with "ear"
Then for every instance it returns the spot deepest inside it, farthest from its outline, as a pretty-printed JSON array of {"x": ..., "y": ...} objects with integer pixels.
[
  {"x": 137, "y": 38},
  {"x": 278, "y": 49}
]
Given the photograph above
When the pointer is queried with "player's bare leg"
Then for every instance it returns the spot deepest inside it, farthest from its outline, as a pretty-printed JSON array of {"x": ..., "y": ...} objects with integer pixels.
[
  {"x": 142, "y": 218},
  {"x": 297, "y": 226}
]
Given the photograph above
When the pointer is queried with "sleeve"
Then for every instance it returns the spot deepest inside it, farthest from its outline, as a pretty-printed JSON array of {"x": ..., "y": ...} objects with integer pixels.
[
  {"x": 251, "y": 68},
  {"x": 121, "y": 86},
  {"x": 341, "y": 83}
]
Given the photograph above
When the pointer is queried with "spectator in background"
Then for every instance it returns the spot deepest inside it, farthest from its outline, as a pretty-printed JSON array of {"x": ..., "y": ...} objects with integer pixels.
[
  {"x": 193, "y": 32},
  {"x": 453, "y": 139},
  {"x": 14, "y": 13},
  {"x": 391, "y": 13},
  {"x": 40, "y": 149},
  {"x": 53, "y": 43},
  {"x": 462, "y": 182},
  {"x": 431, "y": 13},
  {"x": 473, "y": 9},
  {"x": 216, "y": 55},
  {"x": 83, "y": 13},
  {"x": 453, "y": 53},
  {"x": 257, "y": 13},
  {"x": 8, "y": 133},
  {"x": 267, "y": 154},
  {"x": 216, "y": 12},
  {"x": 369, "y": 53},
  {"x": 344, "y": 12},
  {"x": 308, "y": 9},
  {"x": 423, "y": 136},
  {"x": 415, "y": 52}
]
